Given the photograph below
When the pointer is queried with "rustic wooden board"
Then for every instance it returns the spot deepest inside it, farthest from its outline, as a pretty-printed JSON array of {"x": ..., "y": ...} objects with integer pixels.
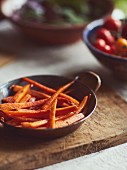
[{"x": 107, "y": 127}]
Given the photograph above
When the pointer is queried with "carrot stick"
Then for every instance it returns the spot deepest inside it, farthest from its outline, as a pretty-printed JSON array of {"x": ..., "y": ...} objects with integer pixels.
[
  {"x": 21, "y": 93},
  {"x": 26, "y": 98},
  {"x": 39, "y": 95},
  {"x": 23, "y": 119},
  {"x": 12, "y": 106},
  {"x": 49, "y": 90},
  {"x": 64, "y": 102},
  {"x": 44, "y": 88},
  {"x": 28, "y": 113},
  {"x": 40, "y": 114},
  {"x": 35, "y": 124},
  {"x": 69, "y": 120},
  {"x": 34, "y": 93},
  {"x": 65, "y": 110},
  {"x": 52, "y": 115},
  {"x": 49, "y": 102},
  {"x": 82, "y": 105},
  {"x": 65, "y": 121}
]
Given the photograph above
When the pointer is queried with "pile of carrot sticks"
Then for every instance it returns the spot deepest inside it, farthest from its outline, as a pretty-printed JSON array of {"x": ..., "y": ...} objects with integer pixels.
[{"x": 43, "y": 108}]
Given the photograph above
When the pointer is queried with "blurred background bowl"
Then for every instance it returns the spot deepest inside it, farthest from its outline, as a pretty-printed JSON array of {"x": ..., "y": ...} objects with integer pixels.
[
  {"x": 116, "y": 64},
  {"x": 51, "y": 33}
]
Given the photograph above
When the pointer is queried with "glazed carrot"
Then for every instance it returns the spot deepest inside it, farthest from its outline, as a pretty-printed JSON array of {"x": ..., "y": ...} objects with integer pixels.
[
  {"x": 65, "y": 110},
  {"x": 69, "y": 120},
  {"x": 23, "y": 119},
  {"x": 49, "y": 102},
  {"x": 26, "y": 98},
  {"x": 82, "y": 104},
  {"x": 39, "y": 114},
  {"x": 49, "y": 90},
  {"x": 21, "y": 93},
  {"x": 60, "y": 122},
  {"x": 12, "y": 106},
  {"x": 35, "y": 124},
  {"x": 52, "y": 114},
  {"x": 41, "y": 95},
  {"x": 44, "y": 88},
  {"x": 33, "y": 93},
  {"x": 28, "y": 113},
  {"x": 64, "y": 102}
]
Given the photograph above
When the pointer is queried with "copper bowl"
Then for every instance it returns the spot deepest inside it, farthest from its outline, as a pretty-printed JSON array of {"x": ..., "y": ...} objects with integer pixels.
[
  {"x": 54, "y": 81},
  {"x": 53, "y": 34}
]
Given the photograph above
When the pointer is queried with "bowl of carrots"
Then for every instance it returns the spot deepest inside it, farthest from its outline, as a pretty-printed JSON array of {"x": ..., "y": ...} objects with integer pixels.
[{"x": 46, "y": 106}]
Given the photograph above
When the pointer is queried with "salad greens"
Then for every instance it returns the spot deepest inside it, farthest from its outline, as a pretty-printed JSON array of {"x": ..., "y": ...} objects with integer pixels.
[{"x": 61, "y": 11}]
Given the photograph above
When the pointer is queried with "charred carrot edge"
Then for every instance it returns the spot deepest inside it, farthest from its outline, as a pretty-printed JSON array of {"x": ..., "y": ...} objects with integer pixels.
[
  {"x": 34, "y": 93},
  {"x": 52, "y": 114},
  {"x": 9, "y": 99},
  {"x": 12, "y": 106},
  {"x": 26, "y": 98},
  {"x": 49, "y": 102},
  {"x": 49, "y": 90},
  {"x": 21, "y": 93}
]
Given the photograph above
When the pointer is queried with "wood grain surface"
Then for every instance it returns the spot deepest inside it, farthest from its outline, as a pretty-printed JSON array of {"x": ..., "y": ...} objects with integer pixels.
[{"x": 105, "y": 128}]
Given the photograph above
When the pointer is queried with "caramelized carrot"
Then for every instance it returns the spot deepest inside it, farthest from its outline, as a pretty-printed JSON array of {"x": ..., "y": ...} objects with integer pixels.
[
  {"x": 49, "y": 90},
  {"x": 40, "y": 114},
  {"x": 21, "y": 93},
  {"x": 70, "y": 120},
  {"x": 33, "y": 93},
  {"x": 65, "y": 110},
  {"x": 12, "y": 106},
  {"x": 82, "y": 104},
  {"x": 52, "y": 115},
  {"x": 49, "y": 102},
  {"x": 35, "y": 124},
  {"x": 64, "y": 121},
  {"x": 26, "y": 98}
]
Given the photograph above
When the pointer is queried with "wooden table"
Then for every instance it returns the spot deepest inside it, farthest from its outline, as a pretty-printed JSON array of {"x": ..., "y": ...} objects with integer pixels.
[{"x": 28, "y": 58}]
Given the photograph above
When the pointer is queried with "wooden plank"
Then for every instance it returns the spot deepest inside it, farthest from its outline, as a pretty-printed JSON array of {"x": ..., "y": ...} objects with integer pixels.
[{"x": 105, "y": 128}]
